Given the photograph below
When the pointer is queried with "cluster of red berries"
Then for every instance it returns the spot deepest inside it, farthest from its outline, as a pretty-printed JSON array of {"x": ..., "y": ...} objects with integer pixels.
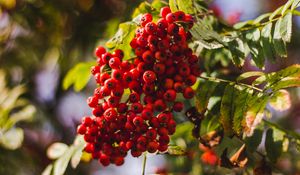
[{"x": 142, "y": 119}]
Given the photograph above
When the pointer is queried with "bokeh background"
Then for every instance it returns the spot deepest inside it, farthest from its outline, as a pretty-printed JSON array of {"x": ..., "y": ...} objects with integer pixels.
[{"x": 40, "y": 40}]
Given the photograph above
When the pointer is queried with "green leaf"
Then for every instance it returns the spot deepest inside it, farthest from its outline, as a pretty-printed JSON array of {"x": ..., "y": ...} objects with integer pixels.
[
  {"x": 56, "y": 150},
  {"x": 241, "y": 103},
  {"x": 24, "y": 114},
  {"x": 295, "y": 4},
  {"x": 122, "y": 38},
  {"x": 12, "y": 139},
  {"x": 203, "y": 94},
  {"x": 261, "y": 17},
  {"x": 253, "y": 41},
  {"x": 267, "y": 41},
  {"x": 176, "y": 151},
  {"x": 276, "y": 12},
  {"x": 186, "y": 6},
  {"x": 249, "y": 74},
  {"x": 227, "y": 108},
  {"x": 286, "y": 7},
  {"x": 286, "y": 27},
  {"x": 288, "y": 77},
  {"x": 79, "y": 75},
  {"x": 254, "y": 141},
  {"x": 48, "y": 170},
  {"x": 237, "y": 50},
  {"x": 79, "y": 146},
  {"x": 11, "y": 97},
  {"x": 173, "y": 5},
  {"x": 280, "y": 46},
  {"x": 61, "y": 164},
  {"x": 273, "y": 148},
  {"x": 243, "y": 24}
]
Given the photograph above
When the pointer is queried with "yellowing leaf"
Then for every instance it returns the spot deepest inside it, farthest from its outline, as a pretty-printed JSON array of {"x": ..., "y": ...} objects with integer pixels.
[
  {"x": 281, "y": 100},
  {"x": 56, "y": 150}
]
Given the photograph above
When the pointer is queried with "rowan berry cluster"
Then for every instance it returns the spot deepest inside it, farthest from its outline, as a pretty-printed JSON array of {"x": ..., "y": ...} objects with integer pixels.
[{"x": 143, "y": 119}]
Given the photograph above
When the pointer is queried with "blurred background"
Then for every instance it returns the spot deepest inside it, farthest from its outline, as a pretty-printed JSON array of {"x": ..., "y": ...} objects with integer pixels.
[{"x": 40, "y": 40}]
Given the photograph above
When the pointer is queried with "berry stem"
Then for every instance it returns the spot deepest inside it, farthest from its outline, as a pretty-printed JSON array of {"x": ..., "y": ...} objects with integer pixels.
[
  {"x": 144, "y": 164},
  {"x": 214, "y": 79}
]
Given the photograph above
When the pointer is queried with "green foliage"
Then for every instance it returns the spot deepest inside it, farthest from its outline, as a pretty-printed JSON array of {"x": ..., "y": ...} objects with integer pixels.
[
  {"x": 63, "y": 155},
  {"x": 273, "y": 147},
  {"x": 264, "y": 37},
  {"x": 78, "y": 76},
  {"x": 242, "y": 106},
  {"x": 13, "y": 109}
]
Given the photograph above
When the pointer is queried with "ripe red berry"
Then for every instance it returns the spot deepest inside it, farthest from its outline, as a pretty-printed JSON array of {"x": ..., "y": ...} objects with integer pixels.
[
  {"x": 145, "y": 19},
  {"x": 149, "y": 77},
  {"x": 188, "y": 93},
  {"x": 164, "y": 11},
  {"x": 114, "y": 62},
  {"x": 81, "y": 129},
  {"x": 152, "y": 147},
  {"x": 104, "y": 160},
  {"x": 170, "y": 95},
  {"x": 178, "y": 106},
  {"x": 99, "y": 51}
]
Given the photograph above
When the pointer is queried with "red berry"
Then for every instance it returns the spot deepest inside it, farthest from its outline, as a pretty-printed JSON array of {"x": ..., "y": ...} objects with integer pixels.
[
  {"x": 178, "y": 106},
  {"x": 118, "y": 53},
  {"x": 149, "y": 77},
  {"x": 164, "y": 11},
  {"x": 81, "y": 129},
  {"x": 104, "y": 160},
  {"x": 145, "y": 19},
  {"x": 99, "y": 51},
  {"x": 188, "y": 93}
]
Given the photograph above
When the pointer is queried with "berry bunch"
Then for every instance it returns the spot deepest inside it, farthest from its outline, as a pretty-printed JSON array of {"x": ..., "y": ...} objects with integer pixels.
[
  {"x": 163, "y": 57},
  {"x": 141, "y": 120}
]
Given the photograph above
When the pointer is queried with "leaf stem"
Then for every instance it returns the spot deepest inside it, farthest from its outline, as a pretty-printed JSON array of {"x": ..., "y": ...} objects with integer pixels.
[
  {"x": 214, "y": 79},
  {"x": 144, "y": 164},
  {"x": 288, "y": 132}
]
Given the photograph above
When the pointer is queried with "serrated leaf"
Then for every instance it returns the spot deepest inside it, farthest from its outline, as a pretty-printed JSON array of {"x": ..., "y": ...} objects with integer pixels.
[
  {"x": 241, "y": 102},
  {"x": 176, "y": 151},
  {"x": 295, "y": 4},
  {"x": 122, "y": 38},
  {"x": 243, "y": 24},
  {"x": 173, "y": 5},
  {"x": 280, "y": 45},
  {"x": 79, "y": 146},
  {"x": 276, "y": 12},
  {"x": 61, "y": 164},
  {"x": 273, "y": 148},
  {"x": 227, "y": 109},
  {"x": 253, "y": 40},
  {"x": 261, "y": 17},
  {"x": 254, "y": 113},
  {"x": 203, "y": 94},
  {"x": 249, "y": 74},
  {"x": 56, "y": 150},
  {"x": 12, "y": 139},
  {"x": 254, "y": 141},
  {"x": 267, "y": 44},
  {"x": 288, "y": 77},
  {"x": 286, "y": 7},
  {"x": 237, "y": 50},
  {"x": 48, "y": 170},
  {"x": 78, "y": 76},
  {"x": 286, "y": 27},
  {"x": 186, "y": 6},
  {"x": 281, "y": 100}
]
